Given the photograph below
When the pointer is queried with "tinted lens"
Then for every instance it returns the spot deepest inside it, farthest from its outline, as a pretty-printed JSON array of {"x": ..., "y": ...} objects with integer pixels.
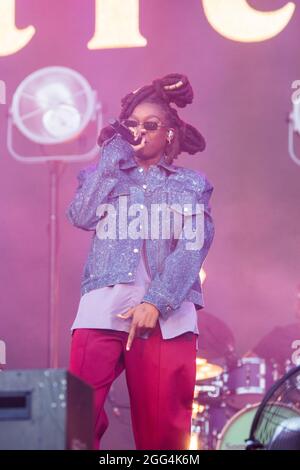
[
  {"x": 130, "y": 123},
  {"x": 150, "y": 126}
]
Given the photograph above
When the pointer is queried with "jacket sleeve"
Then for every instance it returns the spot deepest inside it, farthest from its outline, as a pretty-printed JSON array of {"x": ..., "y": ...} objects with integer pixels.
[
  {"x": 96, "y": 182},
  {"x": 169, "y": 289}
]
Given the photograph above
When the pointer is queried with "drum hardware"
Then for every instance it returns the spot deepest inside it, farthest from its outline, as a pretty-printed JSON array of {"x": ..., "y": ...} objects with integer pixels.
[
  {"x": 206, "y": 370},
  {"x": 249, "y": 381},
  {"x": 221, "y": 400}
]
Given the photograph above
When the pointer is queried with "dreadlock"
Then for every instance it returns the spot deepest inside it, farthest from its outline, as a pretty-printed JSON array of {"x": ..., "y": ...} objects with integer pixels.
[{"x": 173, "y": 88}]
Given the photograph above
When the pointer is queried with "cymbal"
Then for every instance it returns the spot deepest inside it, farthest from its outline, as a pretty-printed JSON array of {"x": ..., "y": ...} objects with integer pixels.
[{"x": 206, "y": 370}]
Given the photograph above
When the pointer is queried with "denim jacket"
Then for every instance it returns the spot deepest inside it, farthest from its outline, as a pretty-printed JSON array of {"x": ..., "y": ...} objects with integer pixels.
[{"x": 173, "y": 267}]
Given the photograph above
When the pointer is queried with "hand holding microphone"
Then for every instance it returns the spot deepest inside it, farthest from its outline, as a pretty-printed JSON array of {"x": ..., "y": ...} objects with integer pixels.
[
  {"x": 136, "y": 146},
  {"x": 130, "y": 134}
]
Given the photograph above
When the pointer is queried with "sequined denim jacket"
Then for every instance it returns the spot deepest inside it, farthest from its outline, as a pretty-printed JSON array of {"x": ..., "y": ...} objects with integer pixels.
[{"x": 174, "y": 269}]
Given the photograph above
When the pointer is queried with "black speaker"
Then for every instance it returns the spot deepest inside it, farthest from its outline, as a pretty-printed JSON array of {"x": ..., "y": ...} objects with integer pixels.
[{"x": 45, "y": 409}]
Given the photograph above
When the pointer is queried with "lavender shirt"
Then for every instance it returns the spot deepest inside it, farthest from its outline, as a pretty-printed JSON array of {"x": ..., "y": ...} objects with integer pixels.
[{"x": 98, "y": 308}]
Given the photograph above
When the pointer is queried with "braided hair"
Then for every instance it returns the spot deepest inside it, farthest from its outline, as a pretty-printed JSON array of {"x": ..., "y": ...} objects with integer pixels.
[{"x": 173, "y": 88}]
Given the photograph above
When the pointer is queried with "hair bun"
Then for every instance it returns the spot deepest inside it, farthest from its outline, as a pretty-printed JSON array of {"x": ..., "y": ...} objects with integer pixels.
[
  {"x": 191, "y": 140},
  {"x": 174, "y": 88}
]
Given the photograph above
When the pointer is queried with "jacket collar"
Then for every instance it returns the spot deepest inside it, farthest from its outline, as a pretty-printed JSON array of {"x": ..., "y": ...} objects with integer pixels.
[{"x": 131, "y": 163}]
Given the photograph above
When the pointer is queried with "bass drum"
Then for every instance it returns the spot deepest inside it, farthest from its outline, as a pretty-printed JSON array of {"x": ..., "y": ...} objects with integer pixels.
[{"x": 237, "y": 429}]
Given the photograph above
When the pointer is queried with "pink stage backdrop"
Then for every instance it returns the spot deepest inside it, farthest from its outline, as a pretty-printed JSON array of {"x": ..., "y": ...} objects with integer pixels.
[{"x": 242, "y": 98}]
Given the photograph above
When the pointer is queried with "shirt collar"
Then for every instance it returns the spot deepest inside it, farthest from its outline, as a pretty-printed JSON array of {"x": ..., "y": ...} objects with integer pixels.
[{"x": 131, "y": 163}]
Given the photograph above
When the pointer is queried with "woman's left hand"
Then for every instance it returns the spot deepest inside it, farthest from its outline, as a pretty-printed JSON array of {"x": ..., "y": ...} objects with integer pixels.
[
  {"x": 141, "y": 145},
  {"x": 144, "y": 317}
]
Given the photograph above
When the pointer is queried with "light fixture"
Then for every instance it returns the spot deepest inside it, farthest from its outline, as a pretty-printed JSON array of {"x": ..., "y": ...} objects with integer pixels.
[
  {"x": 294, "y": 128},
  {"x": 53, "y": 105}
]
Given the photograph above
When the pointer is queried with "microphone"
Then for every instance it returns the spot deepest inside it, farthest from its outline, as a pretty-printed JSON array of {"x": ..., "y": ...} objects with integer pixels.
[{"x": 124, "y": 132}]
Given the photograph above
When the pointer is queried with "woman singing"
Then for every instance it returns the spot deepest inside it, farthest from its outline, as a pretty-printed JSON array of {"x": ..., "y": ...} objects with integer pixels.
[{"x": 152, "y": 230}]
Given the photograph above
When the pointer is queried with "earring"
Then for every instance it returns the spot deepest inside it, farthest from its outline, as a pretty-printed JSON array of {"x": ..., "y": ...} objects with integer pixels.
[{"x": 170, "y": 136}]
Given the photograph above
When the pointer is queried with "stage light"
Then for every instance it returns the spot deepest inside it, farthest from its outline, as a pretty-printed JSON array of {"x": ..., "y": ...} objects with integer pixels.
[
  {"x": 53, "y": 105},
  {"x": 2, "y": 92},
  {"x": 294, "y": 123},
  {"x": 238, "y": 21},
  {"x": 2, "y": 353},
  {"x": 295, "y": 114},
  {"x": 194, "y": 440}
]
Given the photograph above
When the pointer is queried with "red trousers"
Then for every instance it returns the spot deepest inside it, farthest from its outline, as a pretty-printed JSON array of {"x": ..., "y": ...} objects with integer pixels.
[{"x": 160, "y": 375}]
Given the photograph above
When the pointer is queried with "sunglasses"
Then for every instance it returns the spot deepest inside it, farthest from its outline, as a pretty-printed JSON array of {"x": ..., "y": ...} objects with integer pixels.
[{"x": 148, "y": 125}]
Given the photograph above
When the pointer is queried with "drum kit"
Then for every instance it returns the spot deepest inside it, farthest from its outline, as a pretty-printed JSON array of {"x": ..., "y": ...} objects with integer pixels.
[
  {"x": 228, "y": 392},
  {"x": 225, "y": 401}
]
